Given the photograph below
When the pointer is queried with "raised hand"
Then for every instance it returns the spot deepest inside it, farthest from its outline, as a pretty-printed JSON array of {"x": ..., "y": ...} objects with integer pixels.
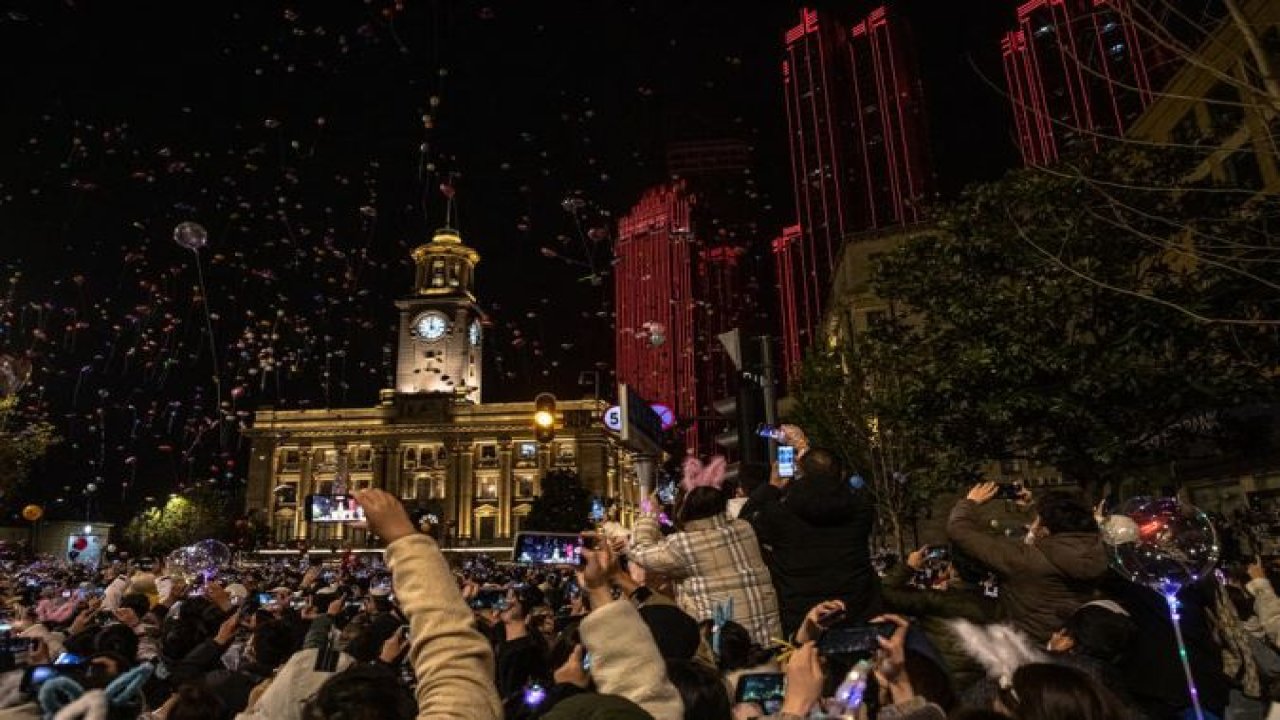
[{"x": 386, "y": 516}]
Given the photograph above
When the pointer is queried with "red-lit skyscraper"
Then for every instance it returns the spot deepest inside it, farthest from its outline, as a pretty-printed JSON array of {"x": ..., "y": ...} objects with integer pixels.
[
  {"x": 860, "y": 152},
  {"x": 1077, "y": 73},
  {"x": 655, "y": 301}
]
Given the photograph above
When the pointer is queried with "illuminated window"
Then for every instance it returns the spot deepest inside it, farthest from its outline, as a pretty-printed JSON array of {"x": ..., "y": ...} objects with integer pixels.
[
  {"x": 411, "y": 458},
  {"x": 437, "y": 273},
  {"x": 364, "y": 459},
  {"x": 487, "y": 488},
  {"x": 524, "y": 486}
]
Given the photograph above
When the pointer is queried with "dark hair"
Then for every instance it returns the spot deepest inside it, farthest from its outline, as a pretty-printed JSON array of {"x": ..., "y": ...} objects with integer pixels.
[
  {"x": 1061, "y": 512},
  {"x": 978, "y": 714},
  {"x": 701, "y": 689},
  {"x": 736, "y": 649},
  {"x": 364, "y": 637},
  {"x": 701, "y": 502},
  {"x": 272, "y": 643},
  {"x": 529, "y": 596},
  {"x": 822, "y": 500},
  {"x": 195, "y": 702},
  {"x": 819, "y": 463},
  {"x": 118, "y": 639},
  {"x": 752, "y": 476},
  {"x": 1042, "y": 691},
  {"x": 1100, "y": 633},
  {"x": 929, "y": 680},
  {"x": 362, "y": 692},
  {"x": 137, "y": 602}
]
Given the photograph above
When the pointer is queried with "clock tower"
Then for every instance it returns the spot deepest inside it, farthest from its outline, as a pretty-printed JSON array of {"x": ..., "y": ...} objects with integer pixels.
[{"x": 440, "y": 333}]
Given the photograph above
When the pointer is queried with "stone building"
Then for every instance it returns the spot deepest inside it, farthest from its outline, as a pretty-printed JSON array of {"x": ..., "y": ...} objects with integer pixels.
[{"x": 431, "y": 440}]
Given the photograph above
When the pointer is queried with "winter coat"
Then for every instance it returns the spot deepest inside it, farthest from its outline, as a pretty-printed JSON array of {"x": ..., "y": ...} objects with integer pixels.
[
  {"x": 1151, "y": 668},
  {"x": 711, "y": 561},
  {"x": 451, "y": 660},
  {"x": 1040, "y": 584},
  {"x": 815, "y": 556},
  {"x": 931, "y": 609},
  {"x": 626, "y": 662}
]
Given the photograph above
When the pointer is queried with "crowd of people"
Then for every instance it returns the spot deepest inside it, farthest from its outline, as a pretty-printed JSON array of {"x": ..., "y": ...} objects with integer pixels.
[{"x": 760, "y": 599}]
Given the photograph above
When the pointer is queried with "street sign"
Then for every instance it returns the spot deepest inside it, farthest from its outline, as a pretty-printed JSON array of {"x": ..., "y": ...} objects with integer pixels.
[
  {"x": 612, "y": 418},
  {"x": 641, "y": 426}
]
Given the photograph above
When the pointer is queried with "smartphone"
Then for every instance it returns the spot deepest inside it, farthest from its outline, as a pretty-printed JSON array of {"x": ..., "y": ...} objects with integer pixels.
[
  {"x": 938, "y": 553},
  {"x": 586, "y": 661},
  {"x": 769, "y": 432},
  {"x": 265, "y": 599},
  {"x": 1008, "y": 491},
  {"x": 487, "y": 599},
  {"x": 35, "y": 676},
  {"x": 547, "y": 549},
  {"x": 667, "y": 493},
  {"x": 786, "y": 461},
  {"x": 66, "y": 593},
  {"x": 855, "y": 640},
  {"x": 763, "y": 689},
  {"x": 67, "y": 658}
]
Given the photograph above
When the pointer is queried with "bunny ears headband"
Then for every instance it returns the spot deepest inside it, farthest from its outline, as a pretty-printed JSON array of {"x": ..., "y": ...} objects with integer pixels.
[{"x": 697, "y": 475}]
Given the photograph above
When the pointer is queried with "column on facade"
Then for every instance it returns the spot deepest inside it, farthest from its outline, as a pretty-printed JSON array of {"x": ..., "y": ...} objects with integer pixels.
[
  {"x": 306, "y": 484},
  {"x": 505, "y": 490},
  {"x": 461, "y": 482},
  {"x": 386, "y": 467}
]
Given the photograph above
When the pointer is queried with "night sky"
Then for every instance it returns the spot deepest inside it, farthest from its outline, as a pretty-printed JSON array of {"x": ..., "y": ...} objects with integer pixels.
[{"x": 312, "y": 140}]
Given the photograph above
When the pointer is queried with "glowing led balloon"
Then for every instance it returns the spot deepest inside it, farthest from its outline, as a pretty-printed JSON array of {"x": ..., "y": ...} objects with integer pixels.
[
  {"x": 1173, "y": 544},
  {"x": 190, "y": 235},
  {"x": 181, "y": 563},
  {"x": 32, "y": 513},
  {"x": 209, "y": 555}
]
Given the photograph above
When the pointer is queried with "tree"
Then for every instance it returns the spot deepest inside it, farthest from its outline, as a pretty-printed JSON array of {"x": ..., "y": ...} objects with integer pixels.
[
  {"x": 1052, "y": 319},
  {"x": 563, "y": 506},
  {"x": 838, "y": 397},
  {"x": 19, "y": 448},
  {"x": 184, "y": 519}
]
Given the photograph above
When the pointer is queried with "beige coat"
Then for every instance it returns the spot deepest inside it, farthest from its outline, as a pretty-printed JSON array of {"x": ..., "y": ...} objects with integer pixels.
[{"x": 625, "y": 660}]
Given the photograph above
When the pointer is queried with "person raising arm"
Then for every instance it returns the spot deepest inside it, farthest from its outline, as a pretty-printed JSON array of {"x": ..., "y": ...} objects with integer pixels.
[{"x": 452, "y": 661}]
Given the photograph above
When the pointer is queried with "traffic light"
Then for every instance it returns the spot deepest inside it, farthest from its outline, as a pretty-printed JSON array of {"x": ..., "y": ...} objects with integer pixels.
[
  {"x": 744, "y": 413},
  {"x": 544, "y": 417}
]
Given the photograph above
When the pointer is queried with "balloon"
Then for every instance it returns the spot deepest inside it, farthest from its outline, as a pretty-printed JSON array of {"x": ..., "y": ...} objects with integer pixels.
[
  {"x": 32, "y": 513},
  {"x": 1174, "y": 544},
  {"x": 190, "y": 235},
  {"x": 1119, "y": 529},
  {"x": 211, "y": 554}
]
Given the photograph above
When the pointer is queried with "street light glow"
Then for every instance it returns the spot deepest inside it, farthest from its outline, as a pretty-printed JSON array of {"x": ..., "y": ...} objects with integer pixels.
[{"x": 544, "y": 419}]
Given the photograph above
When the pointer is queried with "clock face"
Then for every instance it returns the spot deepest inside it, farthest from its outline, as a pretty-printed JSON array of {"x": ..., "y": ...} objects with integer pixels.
[
  {"x": 430, "y": 326},
  {"x": 474, "y": 332}
]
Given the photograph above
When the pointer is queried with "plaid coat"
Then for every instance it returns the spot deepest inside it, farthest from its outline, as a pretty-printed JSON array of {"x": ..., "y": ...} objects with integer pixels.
[{"x": 710, "y": 561}]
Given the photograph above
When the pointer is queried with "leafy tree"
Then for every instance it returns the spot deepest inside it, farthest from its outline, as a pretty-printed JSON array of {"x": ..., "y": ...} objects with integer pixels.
[
  {"x": 1073, "y": 319},
  {"x": 563, "y": 506},
  {"x": 838, "y": 397},
  {"x": 184, "y": 519}
]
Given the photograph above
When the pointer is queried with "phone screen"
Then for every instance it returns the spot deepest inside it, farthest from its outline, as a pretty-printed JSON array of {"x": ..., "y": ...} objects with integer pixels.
[
  {"x": 547, "y": 549},
  {"x": 855, "y": 640},
  {"x": 786, "y": 461},
  {"x": 764, "y": 689}
]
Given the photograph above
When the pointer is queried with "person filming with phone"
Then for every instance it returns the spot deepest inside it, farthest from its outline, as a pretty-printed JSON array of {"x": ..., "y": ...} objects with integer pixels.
[
  {"x": 817, "y": 532},
  {"x": 1044, "y": 579}
]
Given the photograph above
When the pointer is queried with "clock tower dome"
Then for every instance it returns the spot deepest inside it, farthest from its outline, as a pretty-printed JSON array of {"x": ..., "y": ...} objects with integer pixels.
[{"x": 440, "y": 333}]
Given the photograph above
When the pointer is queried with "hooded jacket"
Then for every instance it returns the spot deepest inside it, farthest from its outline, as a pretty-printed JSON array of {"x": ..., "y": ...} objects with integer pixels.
[{"x": 1040, "y": 584}]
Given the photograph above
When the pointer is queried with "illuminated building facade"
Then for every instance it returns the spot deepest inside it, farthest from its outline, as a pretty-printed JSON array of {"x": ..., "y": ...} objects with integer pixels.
[
  {"x": 431, "y": 441},
  {"x": 860, "y": 152},
  {"x": 656, "y": 306},
  {"x": 1078, "y": 71}
]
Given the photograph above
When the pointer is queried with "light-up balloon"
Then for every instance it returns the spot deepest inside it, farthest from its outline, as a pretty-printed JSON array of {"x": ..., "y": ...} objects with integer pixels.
[
  {"x": 1174, "y": 544},
  {"x": 190, "y": 235}
]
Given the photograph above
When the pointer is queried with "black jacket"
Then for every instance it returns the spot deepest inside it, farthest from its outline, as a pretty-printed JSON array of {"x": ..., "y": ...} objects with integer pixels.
[{"x": 817, "y": 548}]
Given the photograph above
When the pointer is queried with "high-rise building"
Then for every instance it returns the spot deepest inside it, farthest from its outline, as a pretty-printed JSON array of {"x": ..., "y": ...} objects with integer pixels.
[
  {"x": 1078, "y": 72},
  {"x": 655, "y": 301},
  {"x": 860, "y": 151}
]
